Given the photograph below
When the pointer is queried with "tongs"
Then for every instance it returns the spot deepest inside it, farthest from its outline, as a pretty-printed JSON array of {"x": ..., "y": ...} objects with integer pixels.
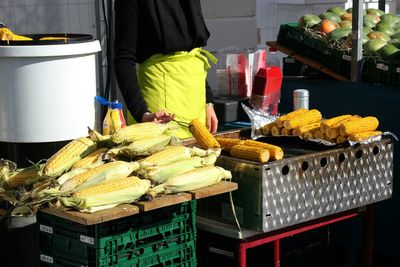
[{"x": 182, "y": 123}]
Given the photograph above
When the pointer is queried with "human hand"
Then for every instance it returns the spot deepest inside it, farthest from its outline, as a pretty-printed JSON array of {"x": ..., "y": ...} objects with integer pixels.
[
  {"x": 211, "y": 119},
  {"x": 161, "y": 116}
]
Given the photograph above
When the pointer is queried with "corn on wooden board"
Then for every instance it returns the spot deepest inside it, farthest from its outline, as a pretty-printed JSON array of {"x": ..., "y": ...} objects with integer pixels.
[
  {"x": 101, "y": 216},
  {"x": 125, "y": 210}
]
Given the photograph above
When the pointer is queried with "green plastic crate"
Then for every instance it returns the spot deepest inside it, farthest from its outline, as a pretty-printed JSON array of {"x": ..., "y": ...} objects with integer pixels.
[
  {"x": 139, "y": 234},
  {"x": 378, "y": 72},
  {"x": 396, "y": 75},
  {"x": 179, "y": 255}
]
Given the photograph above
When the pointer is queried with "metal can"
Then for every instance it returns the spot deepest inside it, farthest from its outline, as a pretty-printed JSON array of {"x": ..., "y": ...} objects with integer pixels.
[{"x": 300, "y": 99}]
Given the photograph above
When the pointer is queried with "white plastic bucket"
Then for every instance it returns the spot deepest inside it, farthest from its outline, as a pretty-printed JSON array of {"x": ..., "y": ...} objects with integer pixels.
[{"x": 47, "y": 91}]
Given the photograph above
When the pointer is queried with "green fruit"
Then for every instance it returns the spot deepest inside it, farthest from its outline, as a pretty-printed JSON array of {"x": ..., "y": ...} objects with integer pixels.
[
  {"x": 375, "y": 11},
  {"x": 345, "y": 24},
  {"x": 390, "y": 18},
  {"x": 385, "y": 28},
  {"x": 339, "y": 33},
  {"x": 372, "y": 18},
  {"x": 337, "y": 10},
  {"x": 367, "y": 30},
  {"x": 388, "y": 51},
  {"x": 379, "y": 35},
  {"x": 372, "y": 46},
  {"x": 329, "y": 15},
  {"x": 396, "y": 27},
  {"x": 309, "y": 20}
]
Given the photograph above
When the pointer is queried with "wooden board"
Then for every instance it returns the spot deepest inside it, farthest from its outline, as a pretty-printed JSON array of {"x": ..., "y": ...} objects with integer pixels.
[
  {"x": 220, "y": 188},
  {"x": 306, "y": 60},
  {"x": 101, "y": 216},
  {"x": 163, "y": 201}
]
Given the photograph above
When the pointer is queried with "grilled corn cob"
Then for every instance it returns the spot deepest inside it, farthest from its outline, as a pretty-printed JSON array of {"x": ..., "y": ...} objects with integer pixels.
[
  {"x": 266, "y": 129},
  {"x": 89, "y": 159},
  {"x": 318, "y": 134},
  {"x": 333, "y": 131},
  {"x": 326, "y": 124},
  {"x": 116, "y": 191},
  {"x": 341, "y": 139},
  {"x": 228, "y": 143},
  {"x": 67, "y": 156},
  {"x": 276, "y": 131},
  {"x": 112, "y": 170},
  {"x": 299, "y": 131},
  {"x": 365, "y": 124},
  {"x": 168, "y": 155},
  {"x": 290, "y": 115},
  {"x": 138, "y": 131},
  {"x": 202, "y": 135},
  {"x": 253, "y": 153},
  {"x": 305, "y": 118},
  {"x": 275, "y": 152},
  {"x": 356, "y": 137},
  {"x": 192, "y": 180},
  {"x": 286, "y": 132}
]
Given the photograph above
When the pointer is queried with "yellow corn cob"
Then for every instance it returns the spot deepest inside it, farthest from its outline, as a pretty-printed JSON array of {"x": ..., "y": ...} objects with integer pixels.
[
  {"x": 106, "y": 187},
  {"x": 290, "y": 115},
  {"x": 112, "y": 170},
  {"x": 365, "y": 124},
  {"x": 202, "y": 135},
  {"x": 341, "y": 139},
  {"x": 192, "y": 180},
  {"x": 168, "y": 155},
  {"x": 253, "y": 153},
  {"x": 275, "y": 152},
  {"x": 326, "y": 138},
  {"x": 356, "y": 137},
  {"x": 138, "y": 131},
  {"x": 333, "y": 131},
  {"x": 318, "y": 134},
  {"x": 7, "y": 35},
  {"x": 116, "y": 191},
  {"x": 19, "y": 177},
  {"x": 276, "y": 131},
  {"x": 329, "y": 122},
  {"x": 309, "y": 134},
  {"x": 89, "y": 159},
  {"x": 308, "y": 117},
  {"x": 67, "y": 156},
  {"x": 286, "y": 132},
  {"x": 228, "y": 143},
  {"x": 266, "y": 129},
  {"x": 299, "y": 131}
]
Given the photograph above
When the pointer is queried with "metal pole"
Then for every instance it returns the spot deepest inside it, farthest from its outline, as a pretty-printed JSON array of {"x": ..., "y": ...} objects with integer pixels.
[
  {"x": 356, "y": 36},
  {"x": 100, "y": 90},
  {"x": 381, "y": 5}
]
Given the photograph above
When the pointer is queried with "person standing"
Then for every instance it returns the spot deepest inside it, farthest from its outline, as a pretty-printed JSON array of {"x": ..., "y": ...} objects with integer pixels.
[{"x": 159, "y": 62}]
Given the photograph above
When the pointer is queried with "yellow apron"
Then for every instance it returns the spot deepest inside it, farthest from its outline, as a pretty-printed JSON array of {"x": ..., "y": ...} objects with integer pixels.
[{"x": 176, "y": 83}]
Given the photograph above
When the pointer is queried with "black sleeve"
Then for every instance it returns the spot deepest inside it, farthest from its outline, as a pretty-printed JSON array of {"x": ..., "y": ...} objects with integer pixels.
[
  {"x": 209, "y": 93},
  {"x": 125, "y": 56}
]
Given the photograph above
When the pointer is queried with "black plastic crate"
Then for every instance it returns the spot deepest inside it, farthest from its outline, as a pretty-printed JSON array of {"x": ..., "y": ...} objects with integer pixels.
[
  {"x": 377, "y": 72},
  {"x": 138, "y": 234}
]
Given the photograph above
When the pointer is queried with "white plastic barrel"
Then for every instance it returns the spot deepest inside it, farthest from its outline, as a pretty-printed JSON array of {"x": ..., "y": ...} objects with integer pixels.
[{"x": 47, "y": 91}]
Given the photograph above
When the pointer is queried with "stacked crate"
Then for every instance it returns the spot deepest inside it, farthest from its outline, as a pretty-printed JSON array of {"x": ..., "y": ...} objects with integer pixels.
[{"x": 163, "y": 237}]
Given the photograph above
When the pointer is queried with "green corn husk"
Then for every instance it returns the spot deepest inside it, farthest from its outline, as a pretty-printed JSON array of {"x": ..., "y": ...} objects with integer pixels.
[
  {"x": 160, "y": 174},
  {"x": 141, "y": 147},
  {"x": 192, "y": 180}
]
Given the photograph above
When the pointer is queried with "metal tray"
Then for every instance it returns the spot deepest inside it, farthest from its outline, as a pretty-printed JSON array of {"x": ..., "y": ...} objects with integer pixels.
[{"x": 311, "y": 181}]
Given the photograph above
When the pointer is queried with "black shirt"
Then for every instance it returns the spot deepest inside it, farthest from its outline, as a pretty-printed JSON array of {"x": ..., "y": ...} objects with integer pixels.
[{"x": 147, "y": 27}]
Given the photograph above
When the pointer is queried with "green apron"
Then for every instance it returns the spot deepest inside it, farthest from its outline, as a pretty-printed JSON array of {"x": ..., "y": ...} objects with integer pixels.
[{"x": 176, "y": 83}]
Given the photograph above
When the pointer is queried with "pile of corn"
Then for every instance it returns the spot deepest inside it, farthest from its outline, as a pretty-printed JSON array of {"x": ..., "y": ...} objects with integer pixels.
[
  {"x": 309, "y": 124},
  {"x": 97, "y": 172}
]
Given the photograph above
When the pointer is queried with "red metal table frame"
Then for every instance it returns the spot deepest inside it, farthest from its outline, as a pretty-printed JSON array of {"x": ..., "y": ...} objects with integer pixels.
[{"x": 276, "y": 236}]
